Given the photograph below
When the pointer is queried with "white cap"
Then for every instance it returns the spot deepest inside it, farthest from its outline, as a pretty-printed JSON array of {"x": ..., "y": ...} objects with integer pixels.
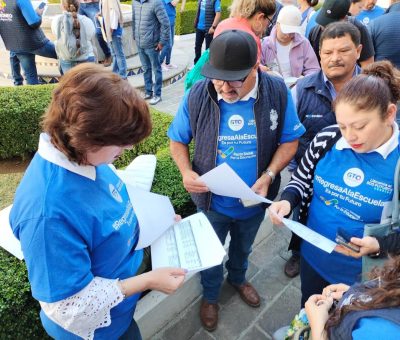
[{"x": 289, "y": 19}]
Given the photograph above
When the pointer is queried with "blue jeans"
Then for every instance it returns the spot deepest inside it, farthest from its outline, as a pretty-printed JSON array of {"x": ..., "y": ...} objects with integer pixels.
[
  {"x": 149, "y": 58},
  {"x": 119, "y": 61},
  {"x": 66, "y": 65},
  {"x": 167, "y": 49},
  {"x": 16, "y": 69},
  {"x": 243, "y": 233},
  {"x": 90, "y": 10},
  {"x": 27, "y": 61}
]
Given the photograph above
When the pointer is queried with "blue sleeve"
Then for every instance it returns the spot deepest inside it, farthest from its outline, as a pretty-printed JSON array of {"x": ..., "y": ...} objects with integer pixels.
[
  {"x": 311, "y": 23},
  {"x": 179, "y": 130},
  {"x": 217, "y": 6},
  {"x": 375, "y": 328},
  {"x": 292, "y": 128},
  {"x": 30, "y": 15}
]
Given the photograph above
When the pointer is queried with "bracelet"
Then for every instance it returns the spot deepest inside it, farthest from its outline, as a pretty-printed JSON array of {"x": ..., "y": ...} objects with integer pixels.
[{"x": 270, "y": 174}]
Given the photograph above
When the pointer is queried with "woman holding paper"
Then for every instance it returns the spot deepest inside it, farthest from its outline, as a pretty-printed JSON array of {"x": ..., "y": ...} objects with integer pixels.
[
  {"x": 345, "y": 179},
  {"x": 73, "y": 216}
]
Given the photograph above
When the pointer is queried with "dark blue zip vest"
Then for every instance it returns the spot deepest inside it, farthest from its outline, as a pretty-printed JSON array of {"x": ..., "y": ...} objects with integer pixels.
[
  {"x": 314, "y": 107},
  {"x": 204, "y": 114},
  {"x": 17, "y": 35},
  {"x": 210, "y": 14}
]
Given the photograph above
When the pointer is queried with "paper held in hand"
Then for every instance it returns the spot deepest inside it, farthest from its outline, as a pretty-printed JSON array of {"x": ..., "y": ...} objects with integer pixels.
[
  {"x": 224, "y": 181},
  {"x": 307, "y": 234},
  {"x": 7, "y": 239}
]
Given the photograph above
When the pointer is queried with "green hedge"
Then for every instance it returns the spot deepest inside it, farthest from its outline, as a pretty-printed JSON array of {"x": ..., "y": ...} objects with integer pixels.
[{"x": 19, "y": 132}]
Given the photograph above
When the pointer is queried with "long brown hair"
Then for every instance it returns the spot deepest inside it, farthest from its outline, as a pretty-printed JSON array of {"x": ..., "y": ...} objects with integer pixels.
[
  {"x": 92, "y": 107},
  {"x": 385, "y": 295},
  {"x": 72, "y": 6}
]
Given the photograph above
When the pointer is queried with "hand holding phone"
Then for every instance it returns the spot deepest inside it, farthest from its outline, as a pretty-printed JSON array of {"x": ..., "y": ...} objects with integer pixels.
[
  {"x": 41, "y": 5},
  {"x": 343, "y": 238}
]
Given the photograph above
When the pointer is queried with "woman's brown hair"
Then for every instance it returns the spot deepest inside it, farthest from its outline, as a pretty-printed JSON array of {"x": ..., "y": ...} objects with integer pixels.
[
  {"x": 377, "y": 87},
  {"x": 92, "y": 107},
  {"x": 72, "y": 6},
  {"x": 385, "y": 295}
]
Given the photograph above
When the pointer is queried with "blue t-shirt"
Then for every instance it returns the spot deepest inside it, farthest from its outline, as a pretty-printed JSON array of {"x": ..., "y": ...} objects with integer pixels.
[
  {"x": 201, "y": 24},
  {"x": 171, "y": 11},
  {"x": 367, "y": 16},
  {"x": 375, "y": 328},
  {"x": 237, "y": 145},
  {"x": 73, "y": 228},
  {"x": 350, "y": 189},
  {"x": 311, "y": 23},
  {"x": 28, "y": 12}
]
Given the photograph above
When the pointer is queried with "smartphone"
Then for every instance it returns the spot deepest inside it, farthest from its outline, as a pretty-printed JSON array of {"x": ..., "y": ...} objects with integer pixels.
[
  {"x": 343, "y": 238},
  {"x": 41, "y": 5}
]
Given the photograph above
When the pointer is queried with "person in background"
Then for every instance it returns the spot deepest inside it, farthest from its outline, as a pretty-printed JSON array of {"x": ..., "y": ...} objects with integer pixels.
[
  {"x": 165, "y": 55},
  {"x": 91, "y": 9},
  {"x": 73, "y": 216},
  {"x": 83, "y": 30},
  {"x": 151, "y": 31},
  {"x": 363, "y": 149},
  {"x": 356, "y": 7},
  {"x": 307, "y": 11},
  {"x": 365, "y": 311},
  {"x": 208, "y": 16},
  {"x": 370, "y": 12},
  {"x": 286, "y": 52},
  {"x": 337, "y": 10},
  {"x": 112, "y": 21},
  {"x": 278, "y": 7},
  {"x": 24, "y": 38},
  {"x": 314, "y": 94}
]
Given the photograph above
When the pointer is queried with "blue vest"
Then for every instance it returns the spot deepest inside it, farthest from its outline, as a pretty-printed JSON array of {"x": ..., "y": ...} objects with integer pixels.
[
  {"x": 204, "y": 122},
  {"x": 17, "y": 35},
  {"x": 314, "y": 107},
  {"x": 210, "y": 14}
]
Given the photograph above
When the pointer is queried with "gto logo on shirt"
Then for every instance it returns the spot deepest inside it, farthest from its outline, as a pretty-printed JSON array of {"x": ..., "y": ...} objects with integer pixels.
[
  {"x": 235, "y": 122},
  {"x": 114, "y": 193},
  {"x": 353, "y": 177}
]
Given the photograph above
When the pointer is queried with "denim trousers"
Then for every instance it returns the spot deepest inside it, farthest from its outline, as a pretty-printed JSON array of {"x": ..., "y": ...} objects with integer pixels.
[
  {"x": 132, "y": 333},
  {"x": 90, "y": 10},
  {"x": 150, "y": 60},
  {"x": 119, "y": 61},
  {"x": 243, "y": 233},
  {"x": 201, "y": 35},
  {"x": 16, "y": 69},
  {"x": 26, "y": 60},
  {"x": 66, "y": 65},
  {"x": 167, "y": 49}
]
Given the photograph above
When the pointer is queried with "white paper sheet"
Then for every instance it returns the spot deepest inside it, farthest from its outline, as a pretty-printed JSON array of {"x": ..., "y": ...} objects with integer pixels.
[
  {"x": 224, "y": 181},
  {"x": 154, "y": 212},
  {"x": 7, "y": 239},
  {"x": 191, "y": 244},
  {"x": 307, "y": 234}
]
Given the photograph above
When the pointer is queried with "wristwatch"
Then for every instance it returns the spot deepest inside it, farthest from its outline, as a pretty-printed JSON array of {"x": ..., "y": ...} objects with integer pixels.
[{"x": 270, "y": 174}]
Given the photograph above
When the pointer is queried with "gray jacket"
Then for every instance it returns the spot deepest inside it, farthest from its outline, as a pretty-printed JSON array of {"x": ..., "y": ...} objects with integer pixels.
[{"x": 150, "y": 23}]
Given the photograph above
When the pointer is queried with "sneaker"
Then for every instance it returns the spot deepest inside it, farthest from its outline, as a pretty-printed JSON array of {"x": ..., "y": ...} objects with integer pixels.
[
  {"x": 164, "y": 68},
  {"x": 154, "y": 100},
  {"x": 107, "y": 61},
  {"x": 170, "y": 66},
  {"x": 292, "y": 266},
  {"x": 147, "y": 96}
]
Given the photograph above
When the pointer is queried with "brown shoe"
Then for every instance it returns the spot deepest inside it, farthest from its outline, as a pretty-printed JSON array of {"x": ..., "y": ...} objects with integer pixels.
[
  {"x": 248, "y": 294},
  {"x": 107, "y": 61},
  {"x": 292, "y": 266},
  {"x": 209, "y": 315}
]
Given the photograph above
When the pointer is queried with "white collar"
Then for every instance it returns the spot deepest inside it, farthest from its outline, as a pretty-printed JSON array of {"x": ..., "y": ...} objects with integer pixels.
[
  {"x": 53, "y": 155},
  {"x": 384, "y": 150},
  {"x": 252, "y": 94}
]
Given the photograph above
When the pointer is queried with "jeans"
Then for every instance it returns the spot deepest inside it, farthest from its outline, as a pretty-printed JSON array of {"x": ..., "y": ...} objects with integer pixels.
[
  {"x": 27, "y": 61},
  {"x": 243, "y": 233},
  {"x": 119, "y": 61},
  {"x": 66, "y": 65},
  {"x": 167, "y": 49},
  {"x": 200, "y": 36},
  {"x": 16, "y": 69},
  {"x": 132, "y": 333},
  {"x": 311, "y": 281},
  {"x": 90, "y": 10},
  {"x": 150, "y": 59}
]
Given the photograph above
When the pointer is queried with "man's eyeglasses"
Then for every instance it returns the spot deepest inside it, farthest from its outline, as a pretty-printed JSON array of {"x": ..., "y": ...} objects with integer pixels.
[{"x": 233, "y": 83}]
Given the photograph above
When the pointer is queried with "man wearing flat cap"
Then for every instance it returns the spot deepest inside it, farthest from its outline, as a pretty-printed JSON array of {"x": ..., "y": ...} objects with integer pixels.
[{"x": 247, "y": 119}]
